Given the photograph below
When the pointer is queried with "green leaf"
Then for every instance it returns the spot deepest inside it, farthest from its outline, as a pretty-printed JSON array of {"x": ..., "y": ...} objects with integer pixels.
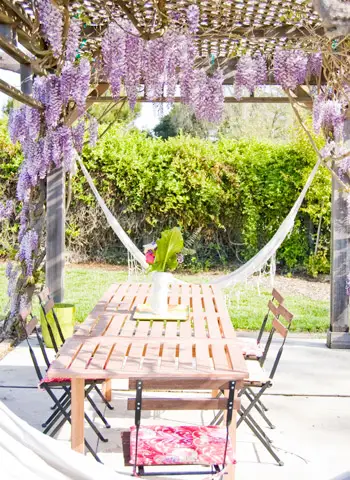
[{"x": 168, "y": 246}]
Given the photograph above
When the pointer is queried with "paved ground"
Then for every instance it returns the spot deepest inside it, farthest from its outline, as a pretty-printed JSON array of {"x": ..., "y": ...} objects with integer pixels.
[{"x": 309, "y": 403}]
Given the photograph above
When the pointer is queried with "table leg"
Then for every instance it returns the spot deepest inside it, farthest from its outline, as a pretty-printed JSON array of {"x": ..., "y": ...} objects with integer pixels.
[
  {"x": 107, "y": 390},
  {"x": 231, "y": 469},
  {"x": 77, "y": 414}
]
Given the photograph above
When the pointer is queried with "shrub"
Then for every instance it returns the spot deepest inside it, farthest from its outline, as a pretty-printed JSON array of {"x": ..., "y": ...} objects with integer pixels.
[{"x": 236, "y": 193}]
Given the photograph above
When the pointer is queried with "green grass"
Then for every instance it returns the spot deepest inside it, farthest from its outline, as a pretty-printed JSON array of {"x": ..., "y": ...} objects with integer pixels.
[
  {"x": 247, "y": 310},
  {"x": 84, "y": 287}
]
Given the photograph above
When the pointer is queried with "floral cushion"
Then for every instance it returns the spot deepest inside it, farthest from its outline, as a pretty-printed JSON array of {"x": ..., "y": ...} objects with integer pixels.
[
  {"x": 191, "y": 445},
  {"x": 54, "y": 380},
  {"x": 250, "y": 347}
]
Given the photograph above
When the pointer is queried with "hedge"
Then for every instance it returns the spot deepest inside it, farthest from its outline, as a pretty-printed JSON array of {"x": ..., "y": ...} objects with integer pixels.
[{"x": 231, "y": 196}]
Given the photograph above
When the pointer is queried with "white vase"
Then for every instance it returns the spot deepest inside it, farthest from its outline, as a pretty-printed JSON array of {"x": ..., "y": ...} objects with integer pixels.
[{"x": 160, "y": 288}]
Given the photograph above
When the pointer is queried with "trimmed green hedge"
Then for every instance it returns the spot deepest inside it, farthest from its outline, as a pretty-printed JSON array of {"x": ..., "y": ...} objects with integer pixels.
[{"x": 236, "y": 193}]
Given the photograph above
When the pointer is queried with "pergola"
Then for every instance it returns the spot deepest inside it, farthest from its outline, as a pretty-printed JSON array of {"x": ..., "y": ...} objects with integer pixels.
[{"x": 228, "y": 29}]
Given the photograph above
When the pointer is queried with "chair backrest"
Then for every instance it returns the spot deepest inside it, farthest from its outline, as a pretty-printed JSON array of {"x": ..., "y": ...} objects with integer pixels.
[
  {"x": 47, "y": 306},
  {"x": 280, "y": 325},
  {"x": 272, "y": 307},
  {"x": 29, "y": 328}
]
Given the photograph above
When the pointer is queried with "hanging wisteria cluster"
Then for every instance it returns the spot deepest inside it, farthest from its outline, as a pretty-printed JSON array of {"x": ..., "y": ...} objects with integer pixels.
[
  {"x": 46, "y": 141},
  {"x": 160, "y": 65},
  {"x": 251, "y": 72},
  {"x": 329, "y": 115}
]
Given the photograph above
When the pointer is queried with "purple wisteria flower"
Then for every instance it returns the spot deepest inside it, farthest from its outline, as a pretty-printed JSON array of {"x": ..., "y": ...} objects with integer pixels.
[
  {"x": 328, "y": 115},
  {"x": 93, "y": 131},
  {"x": 250, "y": 73},
  {"x": 290, "y": 68},
  {"x": 192, "y": 14},
  {"x": 314, "y": 64},
  {"x": 28, "y": 245},
  {"x": 6, "y": 210},
  {"x": 51, "y": 20},
  {"x": 78, "y": 136},
  {"x": 72, "y": 41}
]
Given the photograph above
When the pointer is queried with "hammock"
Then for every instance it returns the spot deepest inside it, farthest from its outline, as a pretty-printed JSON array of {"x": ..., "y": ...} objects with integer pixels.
[
  {"x": 28, "y": 454},
  {"x": 254, "y": 265},
  {"x": 113, "y": 222}
]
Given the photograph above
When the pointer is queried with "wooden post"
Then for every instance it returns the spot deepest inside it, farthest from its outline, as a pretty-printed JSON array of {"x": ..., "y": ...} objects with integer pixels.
[
  {"x": 338, "y": 334},
  {"x": 77, "y": 415},
  {"x": 55, "y": 223}
]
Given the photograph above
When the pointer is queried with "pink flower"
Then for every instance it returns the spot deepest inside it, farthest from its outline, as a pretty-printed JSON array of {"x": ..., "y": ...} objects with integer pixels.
[{"x": 150, "y": 257}]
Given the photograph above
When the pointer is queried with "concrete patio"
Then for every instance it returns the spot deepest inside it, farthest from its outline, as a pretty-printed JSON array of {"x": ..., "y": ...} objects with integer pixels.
[{"x": 309, "y": 403}]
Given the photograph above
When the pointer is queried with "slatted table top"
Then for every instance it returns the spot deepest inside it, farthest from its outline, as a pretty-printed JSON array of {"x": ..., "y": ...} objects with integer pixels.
[{"x": 112, "y": 344}]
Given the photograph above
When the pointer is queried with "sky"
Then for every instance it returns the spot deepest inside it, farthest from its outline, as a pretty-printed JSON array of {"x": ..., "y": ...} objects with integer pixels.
[{"x": 148, "y": 118}]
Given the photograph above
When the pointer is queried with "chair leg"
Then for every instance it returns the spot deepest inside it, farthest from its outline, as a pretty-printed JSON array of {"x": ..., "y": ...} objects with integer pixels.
[
  {"x": 262, "y": 405},
  {"x": 256, "y": 425},
  {"x": 259, "y": 409},
  {"x": 98, "y": 411},
  {"x": 68, "y": 419},
  {"x": 252, "y": 404},
  {"x": 103, "y": 398},
  {"x": 218, "y": 419},
  {"x": 267, "y": 445}
]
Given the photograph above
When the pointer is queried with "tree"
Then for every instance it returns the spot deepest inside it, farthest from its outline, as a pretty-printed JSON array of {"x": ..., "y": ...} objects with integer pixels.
[{"x": 180, "y": 119}]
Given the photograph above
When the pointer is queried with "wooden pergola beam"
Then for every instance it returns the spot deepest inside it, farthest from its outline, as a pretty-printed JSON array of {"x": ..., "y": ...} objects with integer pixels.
[
  {"x": 17, "y": 54},
  {"x": 275, "y": 100},
  {"x": 16, "y": 94},
  {"x": 289, "y": 32}
]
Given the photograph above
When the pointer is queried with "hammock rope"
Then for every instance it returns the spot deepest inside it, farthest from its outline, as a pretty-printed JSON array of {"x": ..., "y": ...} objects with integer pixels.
[{"x": 253, "y": 265}]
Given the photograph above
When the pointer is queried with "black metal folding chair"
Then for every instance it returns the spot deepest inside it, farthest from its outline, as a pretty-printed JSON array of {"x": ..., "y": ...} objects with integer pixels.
[
  {"x": 259, "y": 381},
  {"x": 180, "y": 445},
  {"x": 62, "y": 405},
  {"x": 47, "y": 306},
  {"x": 254, "y": 349}
]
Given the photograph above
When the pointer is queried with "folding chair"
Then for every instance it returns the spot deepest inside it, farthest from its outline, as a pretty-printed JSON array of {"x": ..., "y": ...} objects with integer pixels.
[
  {"x": 62, "y": 404},
  {"x": 47, "y": 306},
  {"x": 253, "y": 348},
  {"x": 259, "y": 380},
  {"x": 159, "y": 445}
]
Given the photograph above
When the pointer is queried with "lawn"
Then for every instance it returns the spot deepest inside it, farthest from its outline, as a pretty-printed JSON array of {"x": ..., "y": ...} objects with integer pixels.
[{"x": 84, "y": 286}]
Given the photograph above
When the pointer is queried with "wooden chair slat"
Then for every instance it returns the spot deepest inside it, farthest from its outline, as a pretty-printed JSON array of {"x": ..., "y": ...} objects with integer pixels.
[
  {"x": 273, "y": 308},
  {"x": 31, "y": 325},
  {"x": 49, "y": 305},
  {"x": 279, "y": 327},
  {"x": 283, "y": 312},
  {"x": 277, "y": 296}
]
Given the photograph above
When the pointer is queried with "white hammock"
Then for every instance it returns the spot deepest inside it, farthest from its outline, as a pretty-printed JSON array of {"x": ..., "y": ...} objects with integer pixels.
[
  {"x": 261, "y": 258},
  {"x": 254, "y": 265},
  {"x": 27, "y": 454},
  {"x": 113, "y": 222}
]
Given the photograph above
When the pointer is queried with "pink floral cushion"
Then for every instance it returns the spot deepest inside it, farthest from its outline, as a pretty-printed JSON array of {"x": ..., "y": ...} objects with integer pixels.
[
  {"x": 250, "y": 347},
  {"x": 54, "y": 380},
  {"x": 191, "y": 445}
]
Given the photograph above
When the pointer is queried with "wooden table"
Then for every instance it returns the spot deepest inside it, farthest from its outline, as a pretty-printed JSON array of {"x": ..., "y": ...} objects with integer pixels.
[{"x": 111, "y": 344}]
